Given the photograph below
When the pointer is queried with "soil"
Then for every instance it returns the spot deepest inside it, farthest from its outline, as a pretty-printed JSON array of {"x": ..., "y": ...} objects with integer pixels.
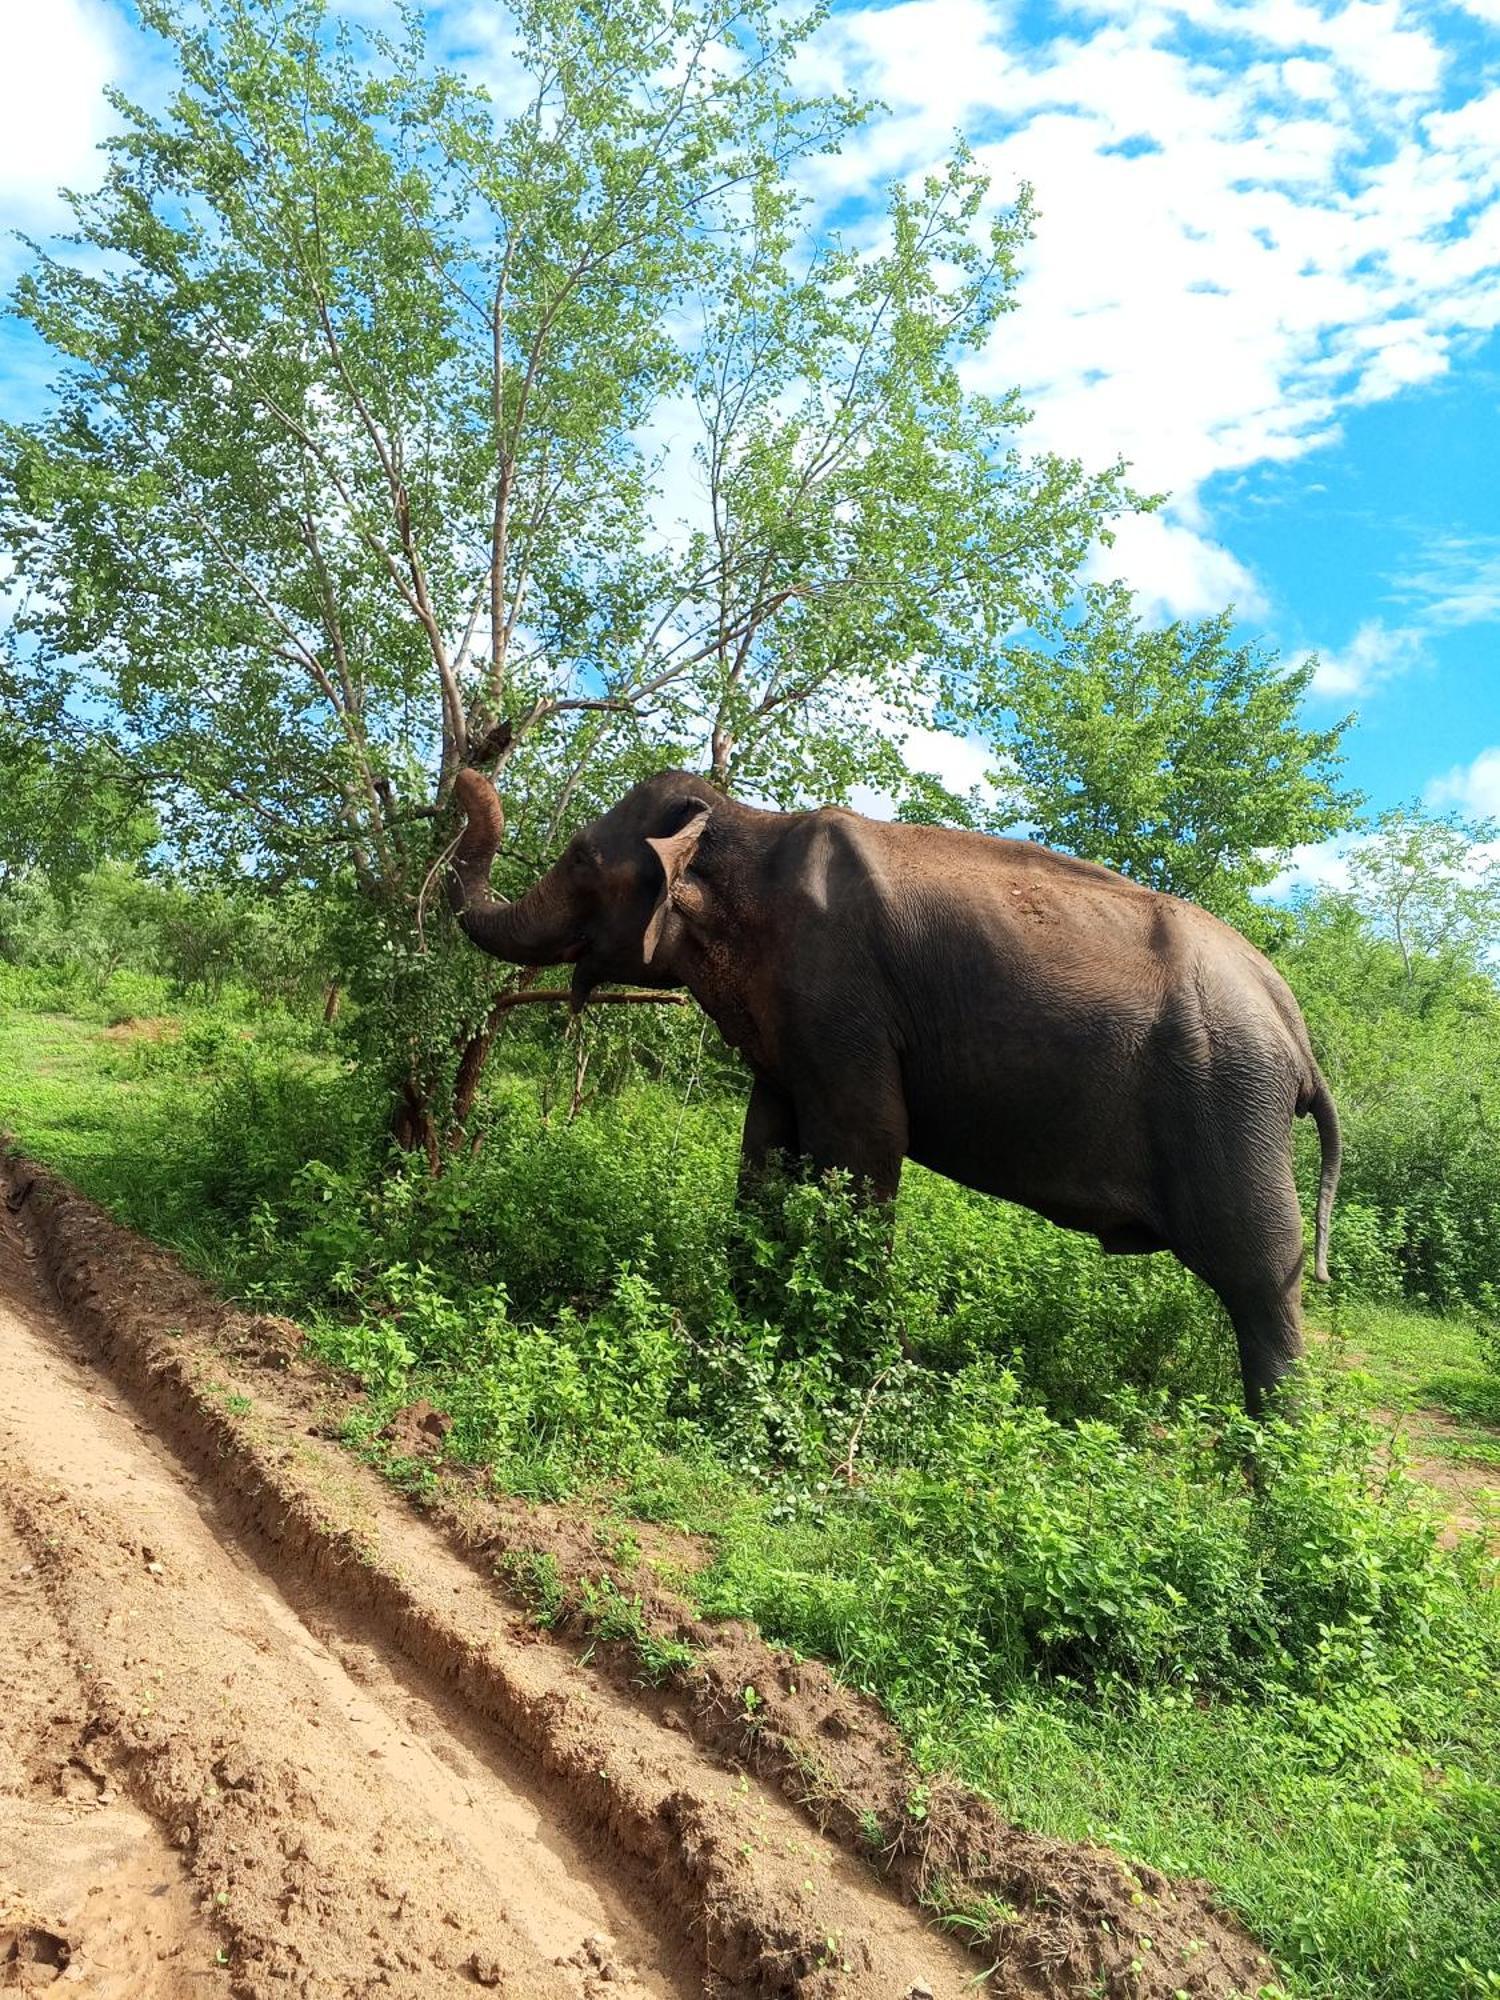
[
  {"x": 143, "y": 1028},
  {"x": 268, "y": 1729},
  {"x": 1468, "y": 1490}
]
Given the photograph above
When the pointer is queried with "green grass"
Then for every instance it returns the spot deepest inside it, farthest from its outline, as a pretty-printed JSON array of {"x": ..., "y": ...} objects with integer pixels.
[
  {"x": 1416, "y": 1363},
  {"x": 1336, "y": 1851},
  {"x": 1285, "y": 1687},
  {"x": 61, "y": 1089}
]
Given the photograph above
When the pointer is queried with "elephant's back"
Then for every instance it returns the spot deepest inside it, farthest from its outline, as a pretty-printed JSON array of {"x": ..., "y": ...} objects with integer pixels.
[{"x": 1070, "y": 975}]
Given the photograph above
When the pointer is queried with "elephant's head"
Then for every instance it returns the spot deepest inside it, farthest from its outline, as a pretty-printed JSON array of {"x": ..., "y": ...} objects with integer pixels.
[{"x": 605, "y": 907}]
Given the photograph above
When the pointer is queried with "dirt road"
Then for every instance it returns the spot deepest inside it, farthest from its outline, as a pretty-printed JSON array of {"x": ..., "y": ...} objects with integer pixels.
[
  {"x": 213, "y": 1772},
  {"x": 267, "y": 1730},
  {"x": 376, "y": 1840}
]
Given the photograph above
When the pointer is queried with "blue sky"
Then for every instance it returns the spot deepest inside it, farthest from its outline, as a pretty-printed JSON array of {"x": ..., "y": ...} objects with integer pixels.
[{"x": 1267, "y": 273}]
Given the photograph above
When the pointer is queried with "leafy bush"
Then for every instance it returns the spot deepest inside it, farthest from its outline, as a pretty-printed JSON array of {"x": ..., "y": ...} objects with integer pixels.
[
  {"x": 199, "y": 939},
  {"x": 1414, "y": 1063},
  {"x": 1152, "y": 1550},
  {"x": 69, "y": 987},
  {"x": 789, "y": 1309},
  {"x": 234, "y": 1124}
]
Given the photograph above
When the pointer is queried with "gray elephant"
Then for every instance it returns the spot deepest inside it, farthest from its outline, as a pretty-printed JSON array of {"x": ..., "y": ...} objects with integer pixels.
[{"x": 1029, "y": 1024}]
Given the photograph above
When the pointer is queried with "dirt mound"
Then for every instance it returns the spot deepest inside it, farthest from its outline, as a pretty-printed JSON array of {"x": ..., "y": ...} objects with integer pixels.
[
  {"x": 1050, "y": 1917},
  {"x": 764, "y": 1825},
  {"x": 417, "y": 1431}
]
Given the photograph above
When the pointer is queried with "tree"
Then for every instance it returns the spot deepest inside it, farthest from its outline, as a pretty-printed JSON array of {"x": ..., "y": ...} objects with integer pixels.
[
  {"x": 399, "y": 431},
  {"x": 1169, "y": 753},
  {"x": 1430, "y": 884},
  {"x": 59, "y": 816}
]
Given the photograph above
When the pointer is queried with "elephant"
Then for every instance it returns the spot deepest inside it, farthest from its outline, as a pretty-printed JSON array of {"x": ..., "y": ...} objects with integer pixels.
[{"x": 1027, "y": 1023}]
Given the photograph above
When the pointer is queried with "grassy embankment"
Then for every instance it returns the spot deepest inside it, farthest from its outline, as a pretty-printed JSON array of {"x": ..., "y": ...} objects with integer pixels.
[{"x": 1083, "y": 1607}]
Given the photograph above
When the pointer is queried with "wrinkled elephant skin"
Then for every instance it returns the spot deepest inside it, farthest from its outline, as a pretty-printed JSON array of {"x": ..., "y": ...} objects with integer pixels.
[{"x": 1026, "y": 1023}]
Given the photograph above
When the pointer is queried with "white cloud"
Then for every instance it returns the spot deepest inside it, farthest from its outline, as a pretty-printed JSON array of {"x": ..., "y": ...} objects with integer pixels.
[
  {"x": 1455, "y": 582},
  {"x": 957, "y": 762},
  {"x": 1376, "y": 653},
  {"x": 1175, "y": 571},
  {"x": 59, "y": 56},
  {"x": 1473, "y": 788},
  {"x": 1325, "y": 865},
  {"x": 1321, "y": 865},
  {"x": 1305, "y": 216}
]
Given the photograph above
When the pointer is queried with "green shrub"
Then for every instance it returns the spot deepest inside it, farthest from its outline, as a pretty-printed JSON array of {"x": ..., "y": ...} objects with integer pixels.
[
  {"x": 1185, "y": 1550},
  {"x": 546, "y": 1406},
  {"x": 243, "y": 1139},
  {"x": 1368, "y": 1264},
  {"x": 1414, "y": 1065}
]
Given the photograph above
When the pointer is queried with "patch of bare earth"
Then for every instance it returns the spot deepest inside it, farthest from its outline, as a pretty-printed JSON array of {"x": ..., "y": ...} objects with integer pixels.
[
  {"x": 143, "y": 1028},
  {"x": 1468, "y": 1490},
  {"x": 368, "y": 1769}
]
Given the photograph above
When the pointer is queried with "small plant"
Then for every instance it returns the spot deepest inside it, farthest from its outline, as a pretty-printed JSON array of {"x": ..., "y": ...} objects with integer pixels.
[
  {"x": 613, "y": 1618},
  {"x": 534, "y": 1577}
]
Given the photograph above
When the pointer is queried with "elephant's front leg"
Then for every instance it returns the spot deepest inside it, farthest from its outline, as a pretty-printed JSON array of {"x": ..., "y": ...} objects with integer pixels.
[
  {"x": 857, "y": 1122},
  {"x": 770, "y": 1127}
]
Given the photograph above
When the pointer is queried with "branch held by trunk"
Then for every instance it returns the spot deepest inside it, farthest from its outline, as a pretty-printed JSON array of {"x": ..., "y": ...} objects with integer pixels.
[{"x": 537, "y": 995}]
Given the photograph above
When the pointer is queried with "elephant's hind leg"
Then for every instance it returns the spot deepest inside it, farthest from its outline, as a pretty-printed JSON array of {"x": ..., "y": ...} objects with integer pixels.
[
  {"x": 1251, "y": 1254},
  {"x": 1267, "y": 1320}
]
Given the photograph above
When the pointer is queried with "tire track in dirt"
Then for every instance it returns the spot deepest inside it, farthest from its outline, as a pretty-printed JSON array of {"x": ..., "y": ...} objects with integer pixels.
[
  {"x": 375, "y": 1778},
  {"x": 339, "y": 1849},
  {"x": 87, "y": 1884}
]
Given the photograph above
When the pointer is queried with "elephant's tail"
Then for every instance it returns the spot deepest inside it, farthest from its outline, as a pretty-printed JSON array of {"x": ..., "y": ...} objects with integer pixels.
[{"x": 1320, "y": 1104}]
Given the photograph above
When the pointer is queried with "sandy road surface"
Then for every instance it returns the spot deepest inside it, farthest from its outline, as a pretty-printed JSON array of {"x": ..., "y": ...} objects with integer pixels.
[
  {"x": 220, "y": 1772},
  {"x": 429, "y": 1860}
]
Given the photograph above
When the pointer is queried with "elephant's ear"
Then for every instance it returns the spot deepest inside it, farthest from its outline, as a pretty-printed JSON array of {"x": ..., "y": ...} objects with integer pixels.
[{"x": 675, "y": 852}]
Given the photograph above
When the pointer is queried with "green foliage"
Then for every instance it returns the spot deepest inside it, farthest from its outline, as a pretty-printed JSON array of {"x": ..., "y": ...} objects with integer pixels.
[
  {"x": 1366, "y": 1865},
  {"x": 1152, "y": 1550},
  {"x": 1172, "y": 754},
  {"x": 1228, "y": 1650},
  {"x": 1411, "y": 1049},
  {"x": 547, "y": 1406},
  {"x": 350, "y": 459},
  {"x": 1221, "y": 1650},
  {"x": 787, "y": 1311},
  {"x": 1430, "y": 884},
  {"x": 200, "y": 937},
  {"x": 66, "y": 803}
]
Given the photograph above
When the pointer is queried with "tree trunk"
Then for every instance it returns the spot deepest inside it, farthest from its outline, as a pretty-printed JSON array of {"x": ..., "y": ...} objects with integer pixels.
[
  {"x": 475, "y": 1053},
  {"x": 414, "y": 1126}
]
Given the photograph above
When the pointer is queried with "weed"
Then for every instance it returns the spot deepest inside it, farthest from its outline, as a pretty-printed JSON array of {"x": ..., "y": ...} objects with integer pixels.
[{"x": 534, "y": 1577}]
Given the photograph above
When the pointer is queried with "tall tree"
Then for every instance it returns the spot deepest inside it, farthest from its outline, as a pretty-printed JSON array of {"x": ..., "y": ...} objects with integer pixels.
[
  {"x": 1429, "y": 884},
  {"x": 1170, "y": 753},
  {"x": 398, "y": 430},
  {"x": 59, "y": 816}
]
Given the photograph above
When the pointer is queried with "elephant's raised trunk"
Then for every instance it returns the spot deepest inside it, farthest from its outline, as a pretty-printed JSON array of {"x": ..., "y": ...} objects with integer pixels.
[
  {"x": 532, "y": 931},
  {"x": 478, "y": 844}
]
